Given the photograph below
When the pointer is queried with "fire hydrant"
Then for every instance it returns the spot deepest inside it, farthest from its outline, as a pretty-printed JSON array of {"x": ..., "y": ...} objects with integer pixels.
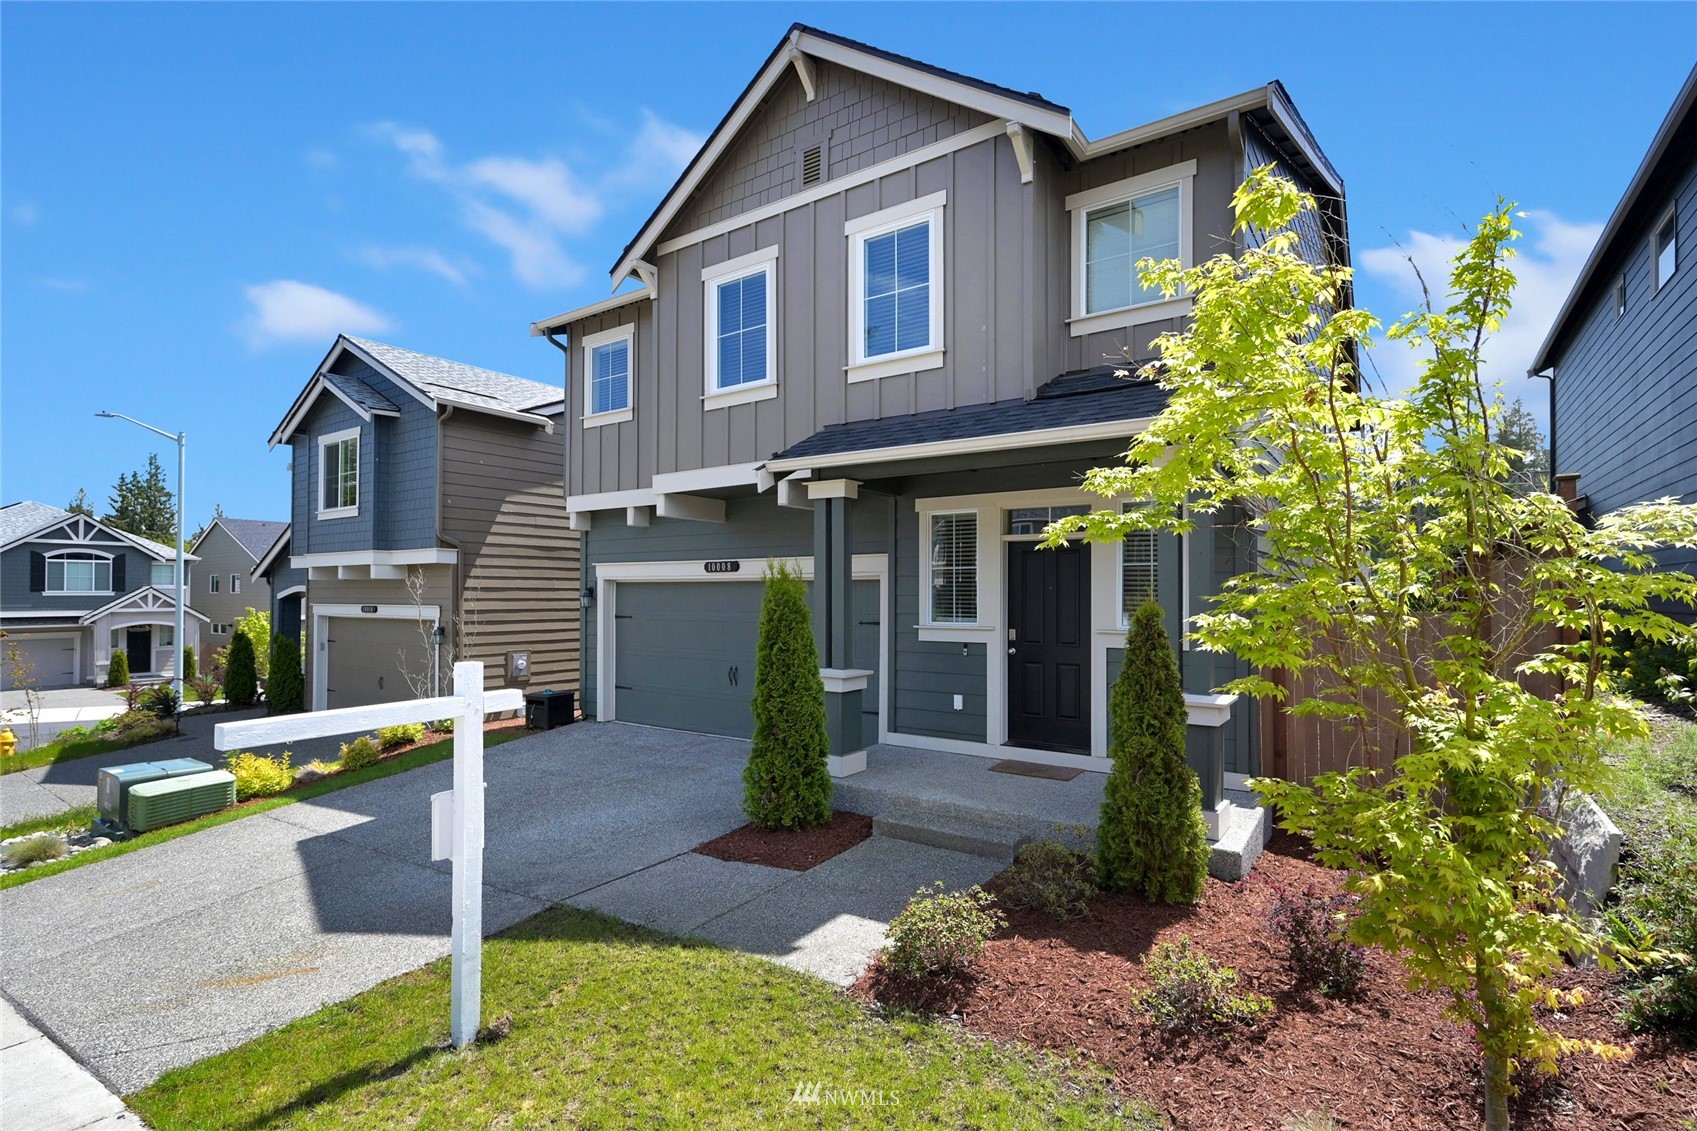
[{"x": 8, "y": 742}]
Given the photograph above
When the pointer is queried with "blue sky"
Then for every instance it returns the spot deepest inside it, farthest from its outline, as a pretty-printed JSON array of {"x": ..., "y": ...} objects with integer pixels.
[{"x": 195, "y": 197}]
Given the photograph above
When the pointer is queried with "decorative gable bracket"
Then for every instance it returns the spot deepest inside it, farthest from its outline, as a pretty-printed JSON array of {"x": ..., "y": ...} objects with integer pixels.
[
  {"x": 1023, "y": 151},
  {"x": 803, "y": 64}
]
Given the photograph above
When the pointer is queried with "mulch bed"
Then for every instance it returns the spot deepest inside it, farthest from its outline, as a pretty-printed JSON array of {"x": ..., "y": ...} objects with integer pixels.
[
  {"x": 794, "y": 849},
  {"x": 1387, "y": 1059}
]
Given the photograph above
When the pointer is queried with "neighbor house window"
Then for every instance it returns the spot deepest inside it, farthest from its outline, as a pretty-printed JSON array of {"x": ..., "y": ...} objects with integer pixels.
[
  {"x": 77, "y": 571},
  {"x": 1114, "y": 227},
  {"x": 608, "y": 361},
  {"x": 953, "y": 568},
  {"x": 1667, "y": 249},
  {"x": 338, "y": 476},
  {"x": 741, "y": 339},
  {"x": 895, "y": 289},
  {"x": 165, "y": 636},
  {"x": 212, "y": 583},
  {"x": 163, "y": 575},
  {"x": 1620, "y": 296},
  {"x": 235, "y": 583}
]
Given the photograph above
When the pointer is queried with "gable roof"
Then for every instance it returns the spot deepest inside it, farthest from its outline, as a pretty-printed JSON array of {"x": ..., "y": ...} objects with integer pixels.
[
  {"x": 1028, "y": 110},
  {"x": 434, "y": 381},
  {"x": 149, "y": 598},
  {"x": 1680, "y": 125},
  {"x": 21, "y": 520},
  {"x": 254, "y": 535},
  {"x": 262, "y": 566}
]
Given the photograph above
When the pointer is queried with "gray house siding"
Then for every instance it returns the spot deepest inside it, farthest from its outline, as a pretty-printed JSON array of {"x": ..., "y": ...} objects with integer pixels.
[
  {"x": 221, "y": 556},
  {"x": 14, "y": 576},
  {"x": 1625, "y": 404}
]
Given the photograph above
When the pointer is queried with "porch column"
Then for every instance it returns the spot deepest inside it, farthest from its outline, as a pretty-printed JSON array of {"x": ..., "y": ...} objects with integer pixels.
[{"x": 833, "y": 622}]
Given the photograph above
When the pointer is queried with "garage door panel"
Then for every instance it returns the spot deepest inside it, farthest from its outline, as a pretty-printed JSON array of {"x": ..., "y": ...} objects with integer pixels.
[
  {"x": 368, "y": 660},
  {"x": 53, "y": 660}
]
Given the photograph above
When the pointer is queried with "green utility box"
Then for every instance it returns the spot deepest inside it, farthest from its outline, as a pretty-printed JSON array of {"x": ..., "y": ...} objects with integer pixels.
[{"x": 170, "y": 801}]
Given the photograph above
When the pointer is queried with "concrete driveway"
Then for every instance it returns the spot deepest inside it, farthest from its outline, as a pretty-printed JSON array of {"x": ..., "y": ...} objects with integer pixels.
[
  {"x": 159, "y": 958},
  {"x": 61, "y": 709}
]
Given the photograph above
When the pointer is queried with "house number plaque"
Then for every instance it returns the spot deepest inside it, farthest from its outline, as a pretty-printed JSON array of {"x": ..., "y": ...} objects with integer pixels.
[{"x": 722, "y": 567}]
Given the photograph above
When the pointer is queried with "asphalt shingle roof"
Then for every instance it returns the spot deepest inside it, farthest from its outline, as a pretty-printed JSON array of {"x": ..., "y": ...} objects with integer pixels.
[
  {"x": 458, "y": 383},
  {"x": 21, "y": 519},
  {"x": 256, "y": 535},
  {"x": 361, "y": 393},
  {"x": 1089, "y": 396}
]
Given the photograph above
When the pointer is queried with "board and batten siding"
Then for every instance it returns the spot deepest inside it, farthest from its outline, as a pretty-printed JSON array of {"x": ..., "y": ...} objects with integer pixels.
[
  {"x": 504, "y": 508},
  {"x": 1625, "y": 401}
]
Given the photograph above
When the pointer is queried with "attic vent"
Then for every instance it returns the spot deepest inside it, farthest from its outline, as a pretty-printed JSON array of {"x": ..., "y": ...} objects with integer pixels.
[{"x": 812, "y": 164}]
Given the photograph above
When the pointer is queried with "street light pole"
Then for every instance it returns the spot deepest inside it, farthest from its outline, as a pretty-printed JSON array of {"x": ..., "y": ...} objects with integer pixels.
[{"x": 177, "y": 644}]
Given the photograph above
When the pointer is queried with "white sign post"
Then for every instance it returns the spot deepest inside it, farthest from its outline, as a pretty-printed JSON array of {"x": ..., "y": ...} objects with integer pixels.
[{"x": 464, "y": 805}]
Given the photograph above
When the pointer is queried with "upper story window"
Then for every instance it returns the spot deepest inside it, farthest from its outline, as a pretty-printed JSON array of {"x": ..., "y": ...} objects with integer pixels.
[
  {"x": 212, "y": 583},
  {"x": 896, "y": 290},
  {"x": 952, "y": 561},
  {"x": 1667, "y": 248},
  {"x": 1620, "y": 296},
  {"x": 235, "y": 583},
  {"x": 163, "y": 575},
  {"x": 338, "y": 477},
  {"x": 739, "y": 298},
  {"x": 1113, "y": 228},
  {"x": 79, "y": 571},
  {"x": 609, "y": 359}
]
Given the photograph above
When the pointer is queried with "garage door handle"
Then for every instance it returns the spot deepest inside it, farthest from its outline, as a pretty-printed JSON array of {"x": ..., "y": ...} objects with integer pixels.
[{"x": 622, "y": 687}]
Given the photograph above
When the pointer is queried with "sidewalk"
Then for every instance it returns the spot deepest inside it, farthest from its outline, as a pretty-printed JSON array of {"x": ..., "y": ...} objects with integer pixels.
[
  {"x": 43, "y": 1089},
  {"x": 66, "y": 709}
]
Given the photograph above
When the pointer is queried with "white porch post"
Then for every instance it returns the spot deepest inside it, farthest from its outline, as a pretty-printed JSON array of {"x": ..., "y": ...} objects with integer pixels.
[{"x": 468, "y": 855}]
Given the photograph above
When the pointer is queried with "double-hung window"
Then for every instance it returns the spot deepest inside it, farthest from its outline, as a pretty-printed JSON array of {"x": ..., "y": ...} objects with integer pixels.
[
  {"x": 1667, "y": 248},
  {"x": 740, "y": 304},
  {"x": 609, "y": 360},
  {"x": 1114, "y": 227},
  {"x": 163, "y": 575},
  {"x": 953, "y": 568},
  {"x": 78, "y": 571},
  {"x": 338, "y": 475},
  {"x": 212, "y": 583},
  {"x": 896, "y": 290}
]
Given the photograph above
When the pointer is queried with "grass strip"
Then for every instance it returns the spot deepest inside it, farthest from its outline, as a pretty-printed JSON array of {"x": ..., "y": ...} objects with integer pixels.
[
  {"x": 70, "y": 819},
  {"x": 411, "y": 760},
  {"x": 616, "y": 1026}
]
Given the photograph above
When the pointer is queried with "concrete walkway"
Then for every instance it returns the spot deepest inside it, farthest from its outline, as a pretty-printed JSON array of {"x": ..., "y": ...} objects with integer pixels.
[
  {"x": 159, "y": 958},
  {"x": 43, "y": 1089},
  {"x": 61, "y": 710}
]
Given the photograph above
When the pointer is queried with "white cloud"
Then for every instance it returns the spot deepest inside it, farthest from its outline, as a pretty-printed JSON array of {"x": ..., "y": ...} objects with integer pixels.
[
  {"x": 1548, "y": 262},
  {"x": 531, "y": 206},
  {"x": 26, "y": 213},
  {"x": 422, "y": 258},
  {"x": 286, "y": 310}
]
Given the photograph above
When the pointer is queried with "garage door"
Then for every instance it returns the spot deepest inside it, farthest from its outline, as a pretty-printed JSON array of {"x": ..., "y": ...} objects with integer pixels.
[
  {"x": 54, "y": 660},
  {"x": 686, "y": 654},
  {"x": 368, "y": 659}
]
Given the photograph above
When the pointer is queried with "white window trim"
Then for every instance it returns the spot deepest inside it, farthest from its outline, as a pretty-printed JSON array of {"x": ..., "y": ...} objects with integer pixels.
[
  {"x": 76, "y": 555},
  {"x": 1080, "y": 204},
  {"x": 1671, "y": 216},
  {"x": 762, "y": 262},
  {"x": 592, "y": 419},
  {"x": 212, "y": 583},
  {"x": 978, "y": 627},
  {"x": 235, "y": 583},
  {"x": 858, "y": 231},
  {"x": 324, "y": 442}
]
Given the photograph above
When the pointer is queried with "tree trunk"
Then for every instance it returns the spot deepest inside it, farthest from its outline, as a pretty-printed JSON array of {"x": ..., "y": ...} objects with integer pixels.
[
  {"x": 1496, "y": 1093},
  {"x": 1490, "y": 992}
]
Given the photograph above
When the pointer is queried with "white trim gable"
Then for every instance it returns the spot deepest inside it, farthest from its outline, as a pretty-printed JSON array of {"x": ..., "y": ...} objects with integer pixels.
[
  {"x": 80, "y": 530},
  {"x": 145, "y": 600}
]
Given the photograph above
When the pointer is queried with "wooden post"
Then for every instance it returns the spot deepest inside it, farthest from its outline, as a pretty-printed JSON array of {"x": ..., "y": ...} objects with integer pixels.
[{"x": 468, "y": 855}]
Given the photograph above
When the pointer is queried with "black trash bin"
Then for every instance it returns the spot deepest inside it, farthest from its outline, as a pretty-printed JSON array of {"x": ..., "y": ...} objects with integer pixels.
[{"x": 545, "y": 710}]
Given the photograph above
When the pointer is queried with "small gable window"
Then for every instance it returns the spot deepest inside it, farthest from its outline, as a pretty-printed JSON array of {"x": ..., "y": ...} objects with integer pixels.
[
  {"x": 1620, "y": 296},
  {"x": 338, "y": 477},
  {"x": 79, "y": 571},
  {"x": 1667, "y": 248},
  {"x": 608, "y": 359},
  {"x": 741, "y": 323}
]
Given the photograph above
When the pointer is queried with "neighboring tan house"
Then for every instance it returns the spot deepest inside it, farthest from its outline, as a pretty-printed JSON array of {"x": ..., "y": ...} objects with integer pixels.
[
  {"x": 427, "y": 495},
  {"x": 224, "y": 588},
  {"x": 74, "y": 590},
  {"x": 1622, "y": 354},
  {"x": 876, "y": 331}
]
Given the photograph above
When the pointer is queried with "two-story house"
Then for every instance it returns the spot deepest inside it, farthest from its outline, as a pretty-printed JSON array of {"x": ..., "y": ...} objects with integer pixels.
[
  {"x": 428, "y": 525},
  {"x": 224, "y": 586},
  {"x": 876, "y": 332},
  {"x": 73, "y": 591},
  {"x": 1621, "y": 355}
]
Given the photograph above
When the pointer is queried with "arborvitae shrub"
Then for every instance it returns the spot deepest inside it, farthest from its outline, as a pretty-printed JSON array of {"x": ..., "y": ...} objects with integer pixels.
[
  {"x": 241, "y": 679},
  {"x": 287, "y": 691},
  {"x": 787, "y": 783},
  {"x": 118, "y": 673}
]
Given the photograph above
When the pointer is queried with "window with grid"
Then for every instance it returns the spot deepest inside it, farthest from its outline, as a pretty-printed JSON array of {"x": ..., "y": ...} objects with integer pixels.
[
  {"x": 954, "y": 568},
  {"x": 741, "y": 330},
  {"x": 609, "y": 378},
  {"x": 1116, "y": 236},
  {"x": 163, "y": 575},
  {"x": 76, "y": 572},
  {"x": 339, "y": 464},
  {"x": 1139, "y": 572},
  {"x": 897, "y": 286}
]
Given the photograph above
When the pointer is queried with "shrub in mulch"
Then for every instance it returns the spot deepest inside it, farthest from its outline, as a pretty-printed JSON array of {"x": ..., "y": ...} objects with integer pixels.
[
  {"x": 794, "y": 849},
  {"x": 1313, "y": 924},
  {"x": 1384, "y": 1058},
  {"x": 1050, "y": 877}
]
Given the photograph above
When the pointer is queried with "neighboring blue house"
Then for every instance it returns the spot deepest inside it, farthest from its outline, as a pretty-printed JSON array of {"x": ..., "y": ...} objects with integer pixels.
[
  {"x": 74, "y": 590},
  {"x": 1622, "y": 354},
  {"x": 427, "y": 524}
]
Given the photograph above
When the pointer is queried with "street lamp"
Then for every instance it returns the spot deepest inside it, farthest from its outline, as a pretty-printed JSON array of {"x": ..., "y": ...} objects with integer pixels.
[{"x": 177, "y": 639}]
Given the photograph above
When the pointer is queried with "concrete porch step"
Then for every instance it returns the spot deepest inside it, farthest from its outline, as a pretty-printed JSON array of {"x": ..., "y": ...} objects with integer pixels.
[{"x": 954, "y": 840}]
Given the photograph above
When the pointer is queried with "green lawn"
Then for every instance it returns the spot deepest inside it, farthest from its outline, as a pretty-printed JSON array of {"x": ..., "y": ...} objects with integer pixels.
[
  {"x": 68, "y": 821},
  {"x": 49, "y": 753},
  {"x": 411, "y": 760},
  {"x": 615, "y": 1026}
]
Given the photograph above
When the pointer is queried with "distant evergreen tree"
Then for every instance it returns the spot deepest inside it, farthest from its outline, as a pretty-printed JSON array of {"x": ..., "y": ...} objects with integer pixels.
[
  {"x": 1518, "y": 428},
  {"x": 79, "y": 505},
  {"x": 143, "y": 505},
  {"x": 286, "y": 692},
  {"x": 1151, "y": 838},
  {"x": 118, "y": 671},
  {"x": 241, "y": 680},
  {"x": 217, "y": 513},
  {"x": 787, "y": 784}
]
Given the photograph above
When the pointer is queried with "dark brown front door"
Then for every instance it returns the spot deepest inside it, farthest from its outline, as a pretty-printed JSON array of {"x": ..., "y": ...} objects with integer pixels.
[{"x": 1049, "y": 648}]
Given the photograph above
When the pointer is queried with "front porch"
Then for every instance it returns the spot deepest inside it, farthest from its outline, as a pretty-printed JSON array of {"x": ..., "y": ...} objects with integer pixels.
[{"x": 957, "y": 801}]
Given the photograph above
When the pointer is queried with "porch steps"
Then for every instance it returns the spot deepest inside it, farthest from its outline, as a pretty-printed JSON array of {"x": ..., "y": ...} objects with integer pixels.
[{"x": 954, "y": 841}]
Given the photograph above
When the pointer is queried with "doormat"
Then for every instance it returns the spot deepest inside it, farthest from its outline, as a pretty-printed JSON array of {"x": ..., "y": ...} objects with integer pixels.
[{"x": 1035, "y": 770}]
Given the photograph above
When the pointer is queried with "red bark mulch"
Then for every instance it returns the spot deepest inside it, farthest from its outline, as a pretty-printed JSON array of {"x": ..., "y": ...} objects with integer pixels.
[
  {"x": 795, "y": 849},
  {"x": 1386, "y": 1060}
]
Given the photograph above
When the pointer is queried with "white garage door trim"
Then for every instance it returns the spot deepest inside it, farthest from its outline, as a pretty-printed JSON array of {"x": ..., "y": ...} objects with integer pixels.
[
  {"x": 76, "y": 654},
  {"x": 610, "y": 575},
  {"x": 321, "y": 615}
]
